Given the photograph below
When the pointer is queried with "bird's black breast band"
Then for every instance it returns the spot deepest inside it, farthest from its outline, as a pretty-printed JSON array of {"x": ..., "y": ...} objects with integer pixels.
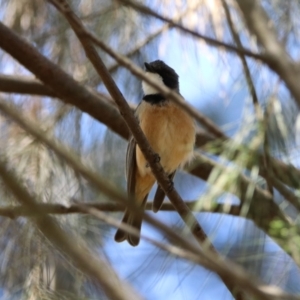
[{"x": 154, "y": 99}]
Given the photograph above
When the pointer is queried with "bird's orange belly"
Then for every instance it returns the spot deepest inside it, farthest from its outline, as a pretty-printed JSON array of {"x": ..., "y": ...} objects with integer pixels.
[{"x": 171, "y": 134}]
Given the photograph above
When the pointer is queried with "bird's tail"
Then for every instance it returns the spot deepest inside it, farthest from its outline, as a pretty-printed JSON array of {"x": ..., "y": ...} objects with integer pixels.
[{"x": 134, "y": 220}]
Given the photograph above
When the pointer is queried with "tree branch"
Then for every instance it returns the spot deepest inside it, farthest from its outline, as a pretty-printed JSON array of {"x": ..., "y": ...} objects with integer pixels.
[
  {"x": 268, "y": 210},
  {"x": 279, "y": 60},
  {"x": 68, "y": 90},
  {"x": 95, "y": 267},
  {"x": 252, "y": 91},
  {"x": 210, "y": 41},
  {"x": 14, "y": 212}
]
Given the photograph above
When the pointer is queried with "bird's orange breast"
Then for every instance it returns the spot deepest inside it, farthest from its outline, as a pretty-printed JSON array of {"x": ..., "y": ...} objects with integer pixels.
[{"x": 170, "y": 132}]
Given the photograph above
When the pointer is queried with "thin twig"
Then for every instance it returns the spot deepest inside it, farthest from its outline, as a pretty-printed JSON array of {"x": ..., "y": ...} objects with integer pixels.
[
  {"x": 59, "y": 209},
  {"x": 280, "y": 61},
  {"x": 231, "y": 48},
  {"x": 285, "y": 192},
  {"x": 68, "y": 90},
  {"x": 94, "y": 266},
  {"x": 252, "y": 90},
  {"x": 268, "y": 209}
]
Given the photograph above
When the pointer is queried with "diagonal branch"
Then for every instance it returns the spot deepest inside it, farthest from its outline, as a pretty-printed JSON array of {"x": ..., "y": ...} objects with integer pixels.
[
  {"x": 252, "y": 90},
  {"x": 231, "y": 48},
  {"x": 95, "y": 267},
  {"x": 261, "y": 26},
  {"x": 68, "y": 90},
  {"x": 268, "y": 210}
]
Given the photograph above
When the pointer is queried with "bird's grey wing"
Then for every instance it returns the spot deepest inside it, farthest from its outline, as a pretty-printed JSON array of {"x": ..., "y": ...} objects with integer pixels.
[
  {"x": 131, "y": 166},
  {"x": 160, "y": 196}
]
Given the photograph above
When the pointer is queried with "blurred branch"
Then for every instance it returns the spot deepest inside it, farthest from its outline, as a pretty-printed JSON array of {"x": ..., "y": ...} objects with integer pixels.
[
  {"x": 149, "y": 38},
  {"x": 279, "y": 60},
  {"x": 146, "y": 10},
  {"x": 238, "y": 42},
  {"x": 24, "y": 85},
  {"x": 228, "y": 269},
  {"x": 287, "y": 173},
  {"x": 99, "y": 269},
  {"x": 59, "y": 209},
  {"x": 268, "y": 210},
  {"x": 30, "y": 86},
  {"x": 219, "y": 266},
  {"x": 140, "y": 45},
  {"x": 285, "y": 192},
  {"x": 86, "y": 261},
  {"x": 68, "y": 90},
  {"x": 252, "y": 90}
]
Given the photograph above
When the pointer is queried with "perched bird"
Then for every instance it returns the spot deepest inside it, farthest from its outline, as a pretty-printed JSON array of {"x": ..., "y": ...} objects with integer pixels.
[{"x": 171, "y": 134}]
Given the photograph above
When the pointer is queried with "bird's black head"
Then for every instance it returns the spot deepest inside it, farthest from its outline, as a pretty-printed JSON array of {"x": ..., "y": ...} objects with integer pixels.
[{"x": 168, "y": 75}]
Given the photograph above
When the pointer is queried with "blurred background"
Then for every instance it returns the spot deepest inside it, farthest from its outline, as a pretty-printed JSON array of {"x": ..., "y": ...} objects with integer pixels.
[{"x": 211, "y": 79}]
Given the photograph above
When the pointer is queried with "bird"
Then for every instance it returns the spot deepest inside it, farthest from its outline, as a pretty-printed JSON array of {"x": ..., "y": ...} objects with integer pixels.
[{"x": 170, "y": 132}]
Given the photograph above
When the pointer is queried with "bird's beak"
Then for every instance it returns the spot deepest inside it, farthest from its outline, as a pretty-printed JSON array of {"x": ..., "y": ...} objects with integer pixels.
[{"x": 148, "y": 67}]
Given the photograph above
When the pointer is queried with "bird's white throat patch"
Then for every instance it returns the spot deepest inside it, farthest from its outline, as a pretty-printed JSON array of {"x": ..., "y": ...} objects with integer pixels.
[{"x": 147, "y": 88}]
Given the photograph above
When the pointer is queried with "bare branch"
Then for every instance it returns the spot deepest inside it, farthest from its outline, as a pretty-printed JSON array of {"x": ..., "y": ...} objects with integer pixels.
[
  {"x": 57, "y": 80},
  {"x": 95, "y": 267},
  {"x": 268, "y": 209},
  {"x": 285, "y": 192},
  {"x": 252, "y": 91},
  {"x": 59, "y": 209},
  {"x": 279, "y": 60},
  {"x": 231, "y": 48}
]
